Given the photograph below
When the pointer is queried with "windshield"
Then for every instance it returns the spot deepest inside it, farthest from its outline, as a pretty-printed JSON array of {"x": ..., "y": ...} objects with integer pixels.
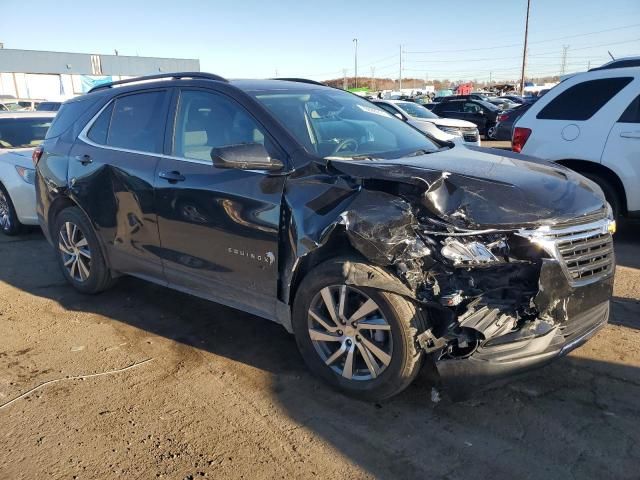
[
  {"x": 333, "y": 123},
  {"x": 415, "y": 110},
  {"x": 13, "y": 106},
  {"x": 23, "y": 132},
  {"x": 488, "y": 106}
]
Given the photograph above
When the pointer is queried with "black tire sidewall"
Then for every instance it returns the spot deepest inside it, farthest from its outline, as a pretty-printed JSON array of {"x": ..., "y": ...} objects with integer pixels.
[
  {"x": 610, "y": 193},
  {"x": 394, "y": 378},
  {"x": 15, "y": 225},
  {"x": 99, "y": 274}
]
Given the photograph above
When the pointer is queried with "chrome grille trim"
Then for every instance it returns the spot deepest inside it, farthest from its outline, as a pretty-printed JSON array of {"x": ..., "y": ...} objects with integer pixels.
[{"x": 584, "y": 250}]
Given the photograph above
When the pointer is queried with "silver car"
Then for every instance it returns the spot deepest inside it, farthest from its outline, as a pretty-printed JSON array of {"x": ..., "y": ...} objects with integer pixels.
[
  {"x": 443, "y": 129},
  {"x": 20, "y": 133}
]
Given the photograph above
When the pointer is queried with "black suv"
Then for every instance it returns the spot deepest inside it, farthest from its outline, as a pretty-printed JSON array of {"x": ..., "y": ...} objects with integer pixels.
[
  {"x": 483, "y": 114},
  {"x": 378, "y": 247}
]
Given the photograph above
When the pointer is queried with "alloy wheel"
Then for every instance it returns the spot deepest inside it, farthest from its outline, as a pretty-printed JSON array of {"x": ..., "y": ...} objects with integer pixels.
[
  {"x": 5, "y": 217},
  {"x": 350, "y": 333},
  {"x": 74, "y": 248}
]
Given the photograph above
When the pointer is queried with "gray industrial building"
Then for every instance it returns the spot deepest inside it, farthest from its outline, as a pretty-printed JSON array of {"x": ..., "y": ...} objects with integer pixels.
[{"x": 61, "y": 75}]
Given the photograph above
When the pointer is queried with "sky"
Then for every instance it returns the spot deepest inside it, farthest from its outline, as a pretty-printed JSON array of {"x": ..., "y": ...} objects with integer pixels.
[{"x": 456, "y": 40}]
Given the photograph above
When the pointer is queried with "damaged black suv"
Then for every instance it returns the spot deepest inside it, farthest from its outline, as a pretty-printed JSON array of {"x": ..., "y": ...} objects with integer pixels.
[{"x": 378, "y": 247}]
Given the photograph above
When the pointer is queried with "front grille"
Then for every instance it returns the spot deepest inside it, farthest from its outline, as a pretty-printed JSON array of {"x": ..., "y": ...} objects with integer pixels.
[
  {"x": 585, "y": 250},
  {"x": 469, "y": 134}
]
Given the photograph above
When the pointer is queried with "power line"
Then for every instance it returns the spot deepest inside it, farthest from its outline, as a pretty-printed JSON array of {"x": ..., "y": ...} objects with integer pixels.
[{"x": 519, "y": 44}]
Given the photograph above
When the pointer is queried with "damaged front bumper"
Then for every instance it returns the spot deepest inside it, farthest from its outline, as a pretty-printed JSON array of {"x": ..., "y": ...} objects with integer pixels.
[
  {"x": 572, "y": 315},
  {"x": 515, "y": 353}
]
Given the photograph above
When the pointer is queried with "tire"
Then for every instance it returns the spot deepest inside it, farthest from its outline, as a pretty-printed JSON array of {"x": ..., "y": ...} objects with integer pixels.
[
  {"x": 403, "y": 318},
  {"x": 90, "y": 274},
  {"x": 9, "y": 223},
  {"x": 610, "y": 193}
]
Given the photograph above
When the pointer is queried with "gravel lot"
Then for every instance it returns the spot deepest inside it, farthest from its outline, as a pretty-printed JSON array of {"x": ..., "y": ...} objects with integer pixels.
[{"x": 225, "y": 394}]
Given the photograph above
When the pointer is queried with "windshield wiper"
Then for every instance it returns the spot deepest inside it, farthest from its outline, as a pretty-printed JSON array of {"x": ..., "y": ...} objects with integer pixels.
[{"x": 422, "y": 151}]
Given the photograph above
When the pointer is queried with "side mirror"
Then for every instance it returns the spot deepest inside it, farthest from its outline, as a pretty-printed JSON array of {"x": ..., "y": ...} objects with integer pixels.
[{"x": 245, "y": 156}]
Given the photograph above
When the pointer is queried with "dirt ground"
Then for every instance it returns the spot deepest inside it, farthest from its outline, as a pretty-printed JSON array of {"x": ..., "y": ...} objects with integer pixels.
[{"x": 225, "y": 394}]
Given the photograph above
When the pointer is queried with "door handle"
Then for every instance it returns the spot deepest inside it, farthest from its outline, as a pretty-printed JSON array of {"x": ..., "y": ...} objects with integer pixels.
[
  {"x": 84, "y": 159},
  {"x": 630, "y": 134},
  {"x": 172, "y": 177}
]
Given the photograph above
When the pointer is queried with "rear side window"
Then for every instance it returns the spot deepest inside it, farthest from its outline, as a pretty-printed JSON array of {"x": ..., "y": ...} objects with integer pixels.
[
  {"x": 451, "y": 107},
  {"x": 23, "y": 132},
  {"x": 583, "y": 100},
  {"x": 67, "y": 115},
  {"x": 632, "y": 113},
  {"x": 137, "y": 122}
]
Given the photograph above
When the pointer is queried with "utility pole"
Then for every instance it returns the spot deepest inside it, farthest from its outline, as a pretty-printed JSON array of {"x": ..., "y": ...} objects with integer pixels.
[
  {"x": 400, "y": 73},
  {"x": 524, "y": 50},
  {"x": 563, "y": 67},
  {"x": 344, "y": 78},
  {"x": 373, "y": 78},
  {"x": 355, "y": 41}
]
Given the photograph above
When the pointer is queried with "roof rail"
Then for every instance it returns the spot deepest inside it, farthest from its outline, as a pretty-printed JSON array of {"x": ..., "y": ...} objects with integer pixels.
[
  {"x": 175, "y": 76},
  {"x": 301, "y": 80}
]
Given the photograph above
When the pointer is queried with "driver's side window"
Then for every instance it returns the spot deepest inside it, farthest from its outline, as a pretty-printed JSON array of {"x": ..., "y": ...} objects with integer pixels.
[
  {"x": 471, "y": 108},
  {"x": 207, "y": 120}
]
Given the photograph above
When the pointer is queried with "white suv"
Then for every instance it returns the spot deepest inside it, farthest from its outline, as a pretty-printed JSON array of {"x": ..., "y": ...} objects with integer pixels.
[{"x": 591, "y": 124}]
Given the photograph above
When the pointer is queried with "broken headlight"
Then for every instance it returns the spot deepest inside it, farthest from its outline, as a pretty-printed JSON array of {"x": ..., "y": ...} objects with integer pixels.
[{"x": 473, "y": 252}]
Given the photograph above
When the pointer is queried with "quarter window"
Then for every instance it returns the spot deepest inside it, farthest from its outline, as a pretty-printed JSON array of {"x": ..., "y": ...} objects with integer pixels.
[
  {"x": 208, "y": 120},
  {"x": 632, "y": 113},
  {"x": 100, "y": 127},
  {"x": 582, "y": 101}
]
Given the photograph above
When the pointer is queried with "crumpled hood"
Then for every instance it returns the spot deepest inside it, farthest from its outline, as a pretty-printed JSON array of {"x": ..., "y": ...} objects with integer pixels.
[{"x": 472, "y": 187}]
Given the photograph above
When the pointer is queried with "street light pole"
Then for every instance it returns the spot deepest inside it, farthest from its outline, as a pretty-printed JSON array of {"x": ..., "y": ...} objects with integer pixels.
[
  {"x": 355, "y": 42},
  {"x": 524, "y": 50}
]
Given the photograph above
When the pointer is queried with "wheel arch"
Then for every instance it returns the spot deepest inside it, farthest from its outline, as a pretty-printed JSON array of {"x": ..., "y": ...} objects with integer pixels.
[
  {"x": 593, "y": 168},
  {"x": 361, "y": 271},
  {"x": 57, "y": 206}
]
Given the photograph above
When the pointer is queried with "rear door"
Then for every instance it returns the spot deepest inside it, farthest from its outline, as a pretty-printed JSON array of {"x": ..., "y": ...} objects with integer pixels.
[
  {"x": 622, "y": 152},
  {"x": 219, "y": 227},
  {"x": 451, "y": 110},
  {"x": 111, "y": 173}
]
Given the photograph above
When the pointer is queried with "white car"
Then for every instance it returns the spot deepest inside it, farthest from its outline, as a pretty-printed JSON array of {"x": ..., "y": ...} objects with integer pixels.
[
  {"x": 443, "y": 129},
  {"x": 20, "y": 133},
  {"x": 590, "y": 123}
]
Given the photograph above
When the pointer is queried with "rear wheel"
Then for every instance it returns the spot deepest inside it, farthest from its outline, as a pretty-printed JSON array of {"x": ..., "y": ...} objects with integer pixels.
[
  {"x": 79, "y": 254},
  {"x": 612, "y": 195},
  {"x": 358, "y": 339},
  {"x": 9, "y": 223}
]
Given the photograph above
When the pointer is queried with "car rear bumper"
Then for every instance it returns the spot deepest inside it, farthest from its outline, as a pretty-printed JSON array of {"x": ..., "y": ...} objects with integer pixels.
[
  {"x": 522, "y": 350},
  {"x": 23, "y": 196}
]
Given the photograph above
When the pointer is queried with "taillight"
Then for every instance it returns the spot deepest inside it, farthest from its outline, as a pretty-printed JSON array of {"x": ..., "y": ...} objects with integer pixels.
[
  {"x": 36, "y": 155},
  {"x": 502, "y": 117},
  {"x": 520, "y": 137}
]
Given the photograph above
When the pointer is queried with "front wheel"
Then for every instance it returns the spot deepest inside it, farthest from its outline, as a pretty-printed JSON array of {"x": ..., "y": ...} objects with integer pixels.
[
  {"x": 79, "y": 254},
  {"x": 358, "y": 339}
]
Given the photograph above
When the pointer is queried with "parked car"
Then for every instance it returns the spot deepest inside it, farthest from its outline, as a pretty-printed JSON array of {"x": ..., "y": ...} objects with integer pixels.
[
  {"x": 591, "y": 124},
  {"x": 443, "y": 129},
  {"x": 18, "y": 104},
  {"x": 514, "y": 98},
  {"x": 482, "y": 114},
  {"x": 49, "y": 106},
  {"x": 505, "y": 122},
  {"x": 619, "y": 63},
  {"x": 20, "y": 132},
  {"x": 471, "y": 96},
  {"x": 379, "y": 248}
]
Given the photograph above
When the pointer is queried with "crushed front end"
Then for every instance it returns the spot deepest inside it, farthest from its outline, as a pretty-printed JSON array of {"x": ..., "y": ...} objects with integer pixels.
[{"x": 501, "y": 302}]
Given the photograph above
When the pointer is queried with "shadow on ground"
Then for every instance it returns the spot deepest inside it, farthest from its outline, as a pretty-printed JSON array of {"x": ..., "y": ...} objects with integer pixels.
[{"x": 576, "y": 418}]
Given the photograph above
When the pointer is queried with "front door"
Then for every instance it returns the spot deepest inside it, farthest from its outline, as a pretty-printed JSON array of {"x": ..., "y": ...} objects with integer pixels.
[
  {"x": 112, "y": 169},
  {"x": 219, "y": 227}
]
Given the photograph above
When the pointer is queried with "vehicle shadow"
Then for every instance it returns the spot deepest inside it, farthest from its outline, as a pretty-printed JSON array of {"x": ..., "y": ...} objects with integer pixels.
[
  {"x": 626, "y": 243},
  {"x": 575, "y": 418}
]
